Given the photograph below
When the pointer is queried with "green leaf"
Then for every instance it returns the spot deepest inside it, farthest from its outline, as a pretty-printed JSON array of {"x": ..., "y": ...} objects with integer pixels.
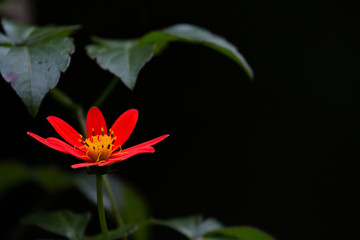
[
  {"x": 64, "y": 223},
  {"x": 219, "y": 238},
  {"x": 11, "y": 174},
  {"x": 51, "y": 239},
  {"x": 243, "y": 233},
  {"x": 51, "y": 179},
  {"x": 194, "y": 34},
  {"x": 16, "y": 32},
  {"x": 4, "y": 39},
  {"x": 116, "y": 233},
  {"x": 130, "y": 203},
  {"x": 32, "y": 58},
  {"x": 192, "y": 227},
  {"x": 86, "y": 183},
  {"x": 135, "y": 210},
  {"x": 123, "y": 58}
]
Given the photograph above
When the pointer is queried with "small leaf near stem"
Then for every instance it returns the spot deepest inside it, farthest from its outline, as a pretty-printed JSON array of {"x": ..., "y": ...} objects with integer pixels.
[{"x": 102, "y": 219}]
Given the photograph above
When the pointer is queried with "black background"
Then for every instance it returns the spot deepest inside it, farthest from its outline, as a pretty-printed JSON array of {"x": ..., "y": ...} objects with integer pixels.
[{"x": 279, "y": 153}]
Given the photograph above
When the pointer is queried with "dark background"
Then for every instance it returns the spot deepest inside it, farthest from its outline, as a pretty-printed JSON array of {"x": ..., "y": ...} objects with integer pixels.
[{"x": 279, "y": 153}]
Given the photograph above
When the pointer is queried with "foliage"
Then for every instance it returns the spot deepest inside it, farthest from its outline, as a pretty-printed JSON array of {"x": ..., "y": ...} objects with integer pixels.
[
  {"x": 72, "y": 226},
  {"x": 125, "y": 58},
  {"x": 195, "y": 227},
  {"x": 32, "y": 59},
  {"x": 64, "y": 223}
]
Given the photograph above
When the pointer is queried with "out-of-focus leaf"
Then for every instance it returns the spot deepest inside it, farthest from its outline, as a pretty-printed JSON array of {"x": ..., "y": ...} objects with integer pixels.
[
  {"x": 50, "y": 179},
  {"x": 86, "y": 183},
  {"x": 219, "y": 238},
  {"x": 11, "y": 174},
  {"x": 243, "y": 233},
  {"x": 127, "y": 199},
  {"x": 32, "y": 58},
  {"x": 116, "y": 233},
  {"x": 123, "y": 58},
  {"x": 130, "y": 203},
  {"x": 51, "y": 239},
  {"x": 194, "y": 34},
  {"x": 64, "y": 223},
  {"x": 135, "y": 210},
  {"x": 192, "y": 227},
  {"x": 210, "y": 229}
]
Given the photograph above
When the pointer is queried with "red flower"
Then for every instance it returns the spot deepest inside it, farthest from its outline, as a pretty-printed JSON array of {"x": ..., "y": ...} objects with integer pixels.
[{"x": 101, "y": 147}]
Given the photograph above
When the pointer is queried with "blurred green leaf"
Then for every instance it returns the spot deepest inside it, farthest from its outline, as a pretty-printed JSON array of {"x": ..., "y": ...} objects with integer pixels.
[
  {"x": 50, "y": 239},
  {"x": 123, "y": 58},
  {"x": 243, "y": 233},
  {"x": 220, "y": 238},
  {"x": 64, "y": 223},
  {"x": 11, "y": 174},
  {"x": 194, "y": 34},
  {"x": 51, "y": 179},
  {"x": 129, "y": 202},
  {"x": 116, "y": 233},
  {"x": 135, "y": 210},
  {"x": 210, "y": 229},
  {"x": 32, "y": 58},
  {"x": 192, "y": 227}
]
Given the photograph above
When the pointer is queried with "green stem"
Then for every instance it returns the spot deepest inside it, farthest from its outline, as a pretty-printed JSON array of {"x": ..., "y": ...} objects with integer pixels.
[
  {"x": 107, "y": 91},
  {"x": 119, "y": 220},
  {"x": 101, "y": 206}
]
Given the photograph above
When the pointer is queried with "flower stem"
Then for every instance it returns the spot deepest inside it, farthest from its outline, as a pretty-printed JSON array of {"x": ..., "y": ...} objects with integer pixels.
[
  {"x": 101, "y": 207},
  {"x": 107, "y": 91},
  {"x": 119, "y": 220}
]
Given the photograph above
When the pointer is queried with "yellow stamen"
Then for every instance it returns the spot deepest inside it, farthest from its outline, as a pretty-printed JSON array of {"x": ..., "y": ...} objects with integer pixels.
[{"x": 99, "y": 147}]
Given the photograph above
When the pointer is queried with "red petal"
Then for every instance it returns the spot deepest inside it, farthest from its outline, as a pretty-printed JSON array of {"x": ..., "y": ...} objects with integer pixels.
[
  {"x": 124, "y": 156},
  {"x": 95, "y": 120},
  {"x": 65, "y": 131},
  {"x": 124, "y": 126},
  {"x": 61, "y": 146},
  {"x": 147, "y": 144},
  {"x": 68, "y": 149},
  {"x": 145, "y": 147},
  {"x": 87, "y": 164},
  {"x": 45, "y": 142}
]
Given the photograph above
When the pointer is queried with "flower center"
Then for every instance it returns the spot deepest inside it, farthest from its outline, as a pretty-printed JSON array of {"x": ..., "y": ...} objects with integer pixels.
[{"x": 99, "y": 147}]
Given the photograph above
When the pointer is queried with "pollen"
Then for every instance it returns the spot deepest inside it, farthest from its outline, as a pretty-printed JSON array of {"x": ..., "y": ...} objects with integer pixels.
[{"x": 99, "y": 147}]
